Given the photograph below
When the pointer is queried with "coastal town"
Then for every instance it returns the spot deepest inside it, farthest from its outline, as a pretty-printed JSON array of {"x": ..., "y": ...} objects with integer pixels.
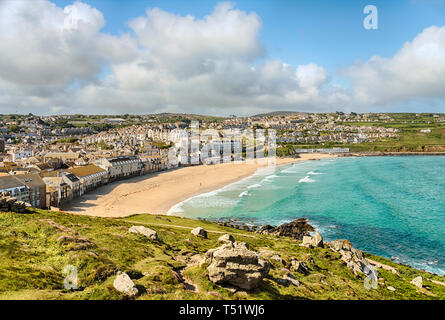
[{"x": 47, "y": 161}]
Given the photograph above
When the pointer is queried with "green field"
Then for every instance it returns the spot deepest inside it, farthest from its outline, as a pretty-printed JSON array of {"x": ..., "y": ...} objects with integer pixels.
[
  {"x": 32, "y": 261},
  {"x": 410, "y": 138}
]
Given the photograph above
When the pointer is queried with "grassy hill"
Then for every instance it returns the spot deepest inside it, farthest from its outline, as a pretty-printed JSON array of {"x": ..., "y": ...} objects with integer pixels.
[{"x": 35, "y": 248}]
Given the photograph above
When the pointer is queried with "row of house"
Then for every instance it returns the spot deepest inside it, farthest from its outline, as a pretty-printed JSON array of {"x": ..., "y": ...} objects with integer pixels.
[
  {"x": 25, "y": 187},
  {"x": 57, "y": 187}
]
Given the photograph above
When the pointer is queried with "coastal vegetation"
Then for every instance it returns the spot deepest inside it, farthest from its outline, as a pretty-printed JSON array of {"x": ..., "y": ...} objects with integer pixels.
[
  {"x": 410, "y": 139},
  {"x": 35, "y": 249}
]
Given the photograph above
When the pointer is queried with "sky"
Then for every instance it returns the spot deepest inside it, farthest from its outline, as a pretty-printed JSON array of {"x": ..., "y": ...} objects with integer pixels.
[{"x": 220, "y": 58}]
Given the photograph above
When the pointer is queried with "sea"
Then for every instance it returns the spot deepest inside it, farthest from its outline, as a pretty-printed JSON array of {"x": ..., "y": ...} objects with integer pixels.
[{"x": 389, "y": 206}]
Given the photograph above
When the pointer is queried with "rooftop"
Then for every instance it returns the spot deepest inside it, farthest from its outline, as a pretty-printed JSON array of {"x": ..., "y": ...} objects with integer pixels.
[{"x": 87, "y": 170}]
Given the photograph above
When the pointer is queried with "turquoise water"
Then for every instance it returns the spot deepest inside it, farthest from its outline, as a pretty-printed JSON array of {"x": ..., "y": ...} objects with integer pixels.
[{"x": 389, "y": 206}]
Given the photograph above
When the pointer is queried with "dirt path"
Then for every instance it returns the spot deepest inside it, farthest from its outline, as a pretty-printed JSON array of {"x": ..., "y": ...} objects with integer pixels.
[{"x": 189, "y": 228}]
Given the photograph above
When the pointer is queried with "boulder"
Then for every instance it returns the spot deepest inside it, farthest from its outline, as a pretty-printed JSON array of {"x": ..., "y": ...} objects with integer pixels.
[
  {"x": 353, "y": 258},
  {"x": 234, "y": 264},
  {"x": 226, "y": 238},
  {"x": 125, "y": 285},
  {"x": 315, "y": 241},
  {"x": 10, "y": 200},
  {"x": 340, "y": 244},
  {"x": 291, "y": 280},
  {"x": 418, "y": 282},
  {"x": 299, "y": 266},
  {"x": 199, "y": 232},
  {"x": 149, "y": 233},
  {"x": 18, "y": 206},
  {"x": 295, "y": 229}
]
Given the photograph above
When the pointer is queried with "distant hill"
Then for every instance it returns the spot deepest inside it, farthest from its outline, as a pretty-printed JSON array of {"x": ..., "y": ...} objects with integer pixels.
[{"x": 276, "y": 113}]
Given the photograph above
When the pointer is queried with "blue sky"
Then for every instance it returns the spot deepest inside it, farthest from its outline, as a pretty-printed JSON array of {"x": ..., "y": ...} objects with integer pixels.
[
  {"x": 329, "y": 33},
  {"x": 249, "y": 57}
]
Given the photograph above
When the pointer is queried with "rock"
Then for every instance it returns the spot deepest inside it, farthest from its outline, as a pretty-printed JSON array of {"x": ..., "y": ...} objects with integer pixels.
[
  {"x": 418, "y": 282},
  {"x": 149, "y": 233},
  {"x": 353, "y": 258},
  {"x": 10, "y": 200},
  {"x": 318, "y": 240},
  {"x": 340, "y": 244},
  {"x": 226, "y": 238},
  {"x": 18, "y": 206},
  {"x": 277, "y": 258},
  {"x": 234, "y": 264},
  {"x": 299, "y": 266},
  {"x": 125, "y": 285},
  {"x": 287, "y": 280},
  {"x": 391, "y": 288},
  {"x": 295, "y": 229},
  {"x": 8, "y": 203},
  {"x": 200, "y": 232},
  {"x": 66, "y": 238},
  {"x": 315, "y": 241}
]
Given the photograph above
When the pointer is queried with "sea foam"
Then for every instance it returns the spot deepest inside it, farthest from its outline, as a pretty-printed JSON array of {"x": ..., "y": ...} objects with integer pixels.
[
  {"x": 244, "y": 193},
  {"x": 306, "y": 179}
]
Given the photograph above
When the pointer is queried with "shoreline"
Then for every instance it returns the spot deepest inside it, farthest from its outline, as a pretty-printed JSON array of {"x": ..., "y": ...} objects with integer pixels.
[
  {"x": 391, "y": 154},
  {"x": 152, "y": 193},
  {"x": 157, "y": 193}
]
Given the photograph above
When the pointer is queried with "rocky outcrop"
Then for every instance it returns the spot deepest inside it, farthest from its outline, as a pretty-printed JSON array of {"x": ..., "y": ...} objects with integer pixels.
[
  {"x": 295, "y": 229},
  {"x": 199, "y": 232},
  {"x": 234, "y": 264},
  {"x": 149, "y": 233},
  {"x": 299, "y": 266},
  {"x": 10, "y": 204},
  {"x": 354, "y": 259},
  {"x": 125, "y": 285},
  {"x": 226, "y": 238},
  {"x": 313, "y": 242},
  {"x": 418, "y": 282}
]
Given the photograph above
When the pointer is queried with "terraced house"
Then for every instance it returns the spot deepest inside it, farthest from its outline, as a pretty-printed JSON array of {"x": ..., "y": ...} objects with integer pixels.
[
  {"x": 74, "y": 184},
  {"x": 120, "y": 167},
  {"x": 15, "y": 187},
  {"x": 27, "y": 187},
  {"x": 90, "y": 176},
  {"x": 37, "y": 189},
  {"x": 57, "y": 191}
]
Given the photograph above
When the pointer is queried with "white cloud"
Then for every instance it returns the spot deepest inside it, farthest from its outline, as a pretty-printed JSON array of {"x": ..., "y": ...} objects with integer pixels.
[
  {"x": 416, "y": 71},
  {"x": 187, "y": 46},
  {"x": 44, "y": 48},
  {"x": 52, "y": 60},
  {"x": 208, "y": 65}
]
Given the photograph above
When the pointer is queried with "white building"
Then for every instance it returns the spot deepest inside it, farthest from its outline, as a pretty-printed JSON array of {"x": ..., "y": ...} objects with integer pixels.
[
  {"x": 120, "y": 167},
  {"x": 21, "y": 154}
]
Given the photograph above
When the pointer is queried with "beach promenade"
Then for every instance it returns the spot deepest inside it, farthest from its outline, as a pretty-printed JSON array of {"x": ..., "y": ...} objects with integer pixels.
[{"x": 157, "y": 193}]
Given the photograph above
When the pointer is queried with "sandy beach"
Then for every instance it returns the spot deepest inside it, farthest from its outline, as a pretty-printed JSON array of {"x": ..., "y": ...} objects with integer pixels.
[{"x": 157, "y": 193}]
